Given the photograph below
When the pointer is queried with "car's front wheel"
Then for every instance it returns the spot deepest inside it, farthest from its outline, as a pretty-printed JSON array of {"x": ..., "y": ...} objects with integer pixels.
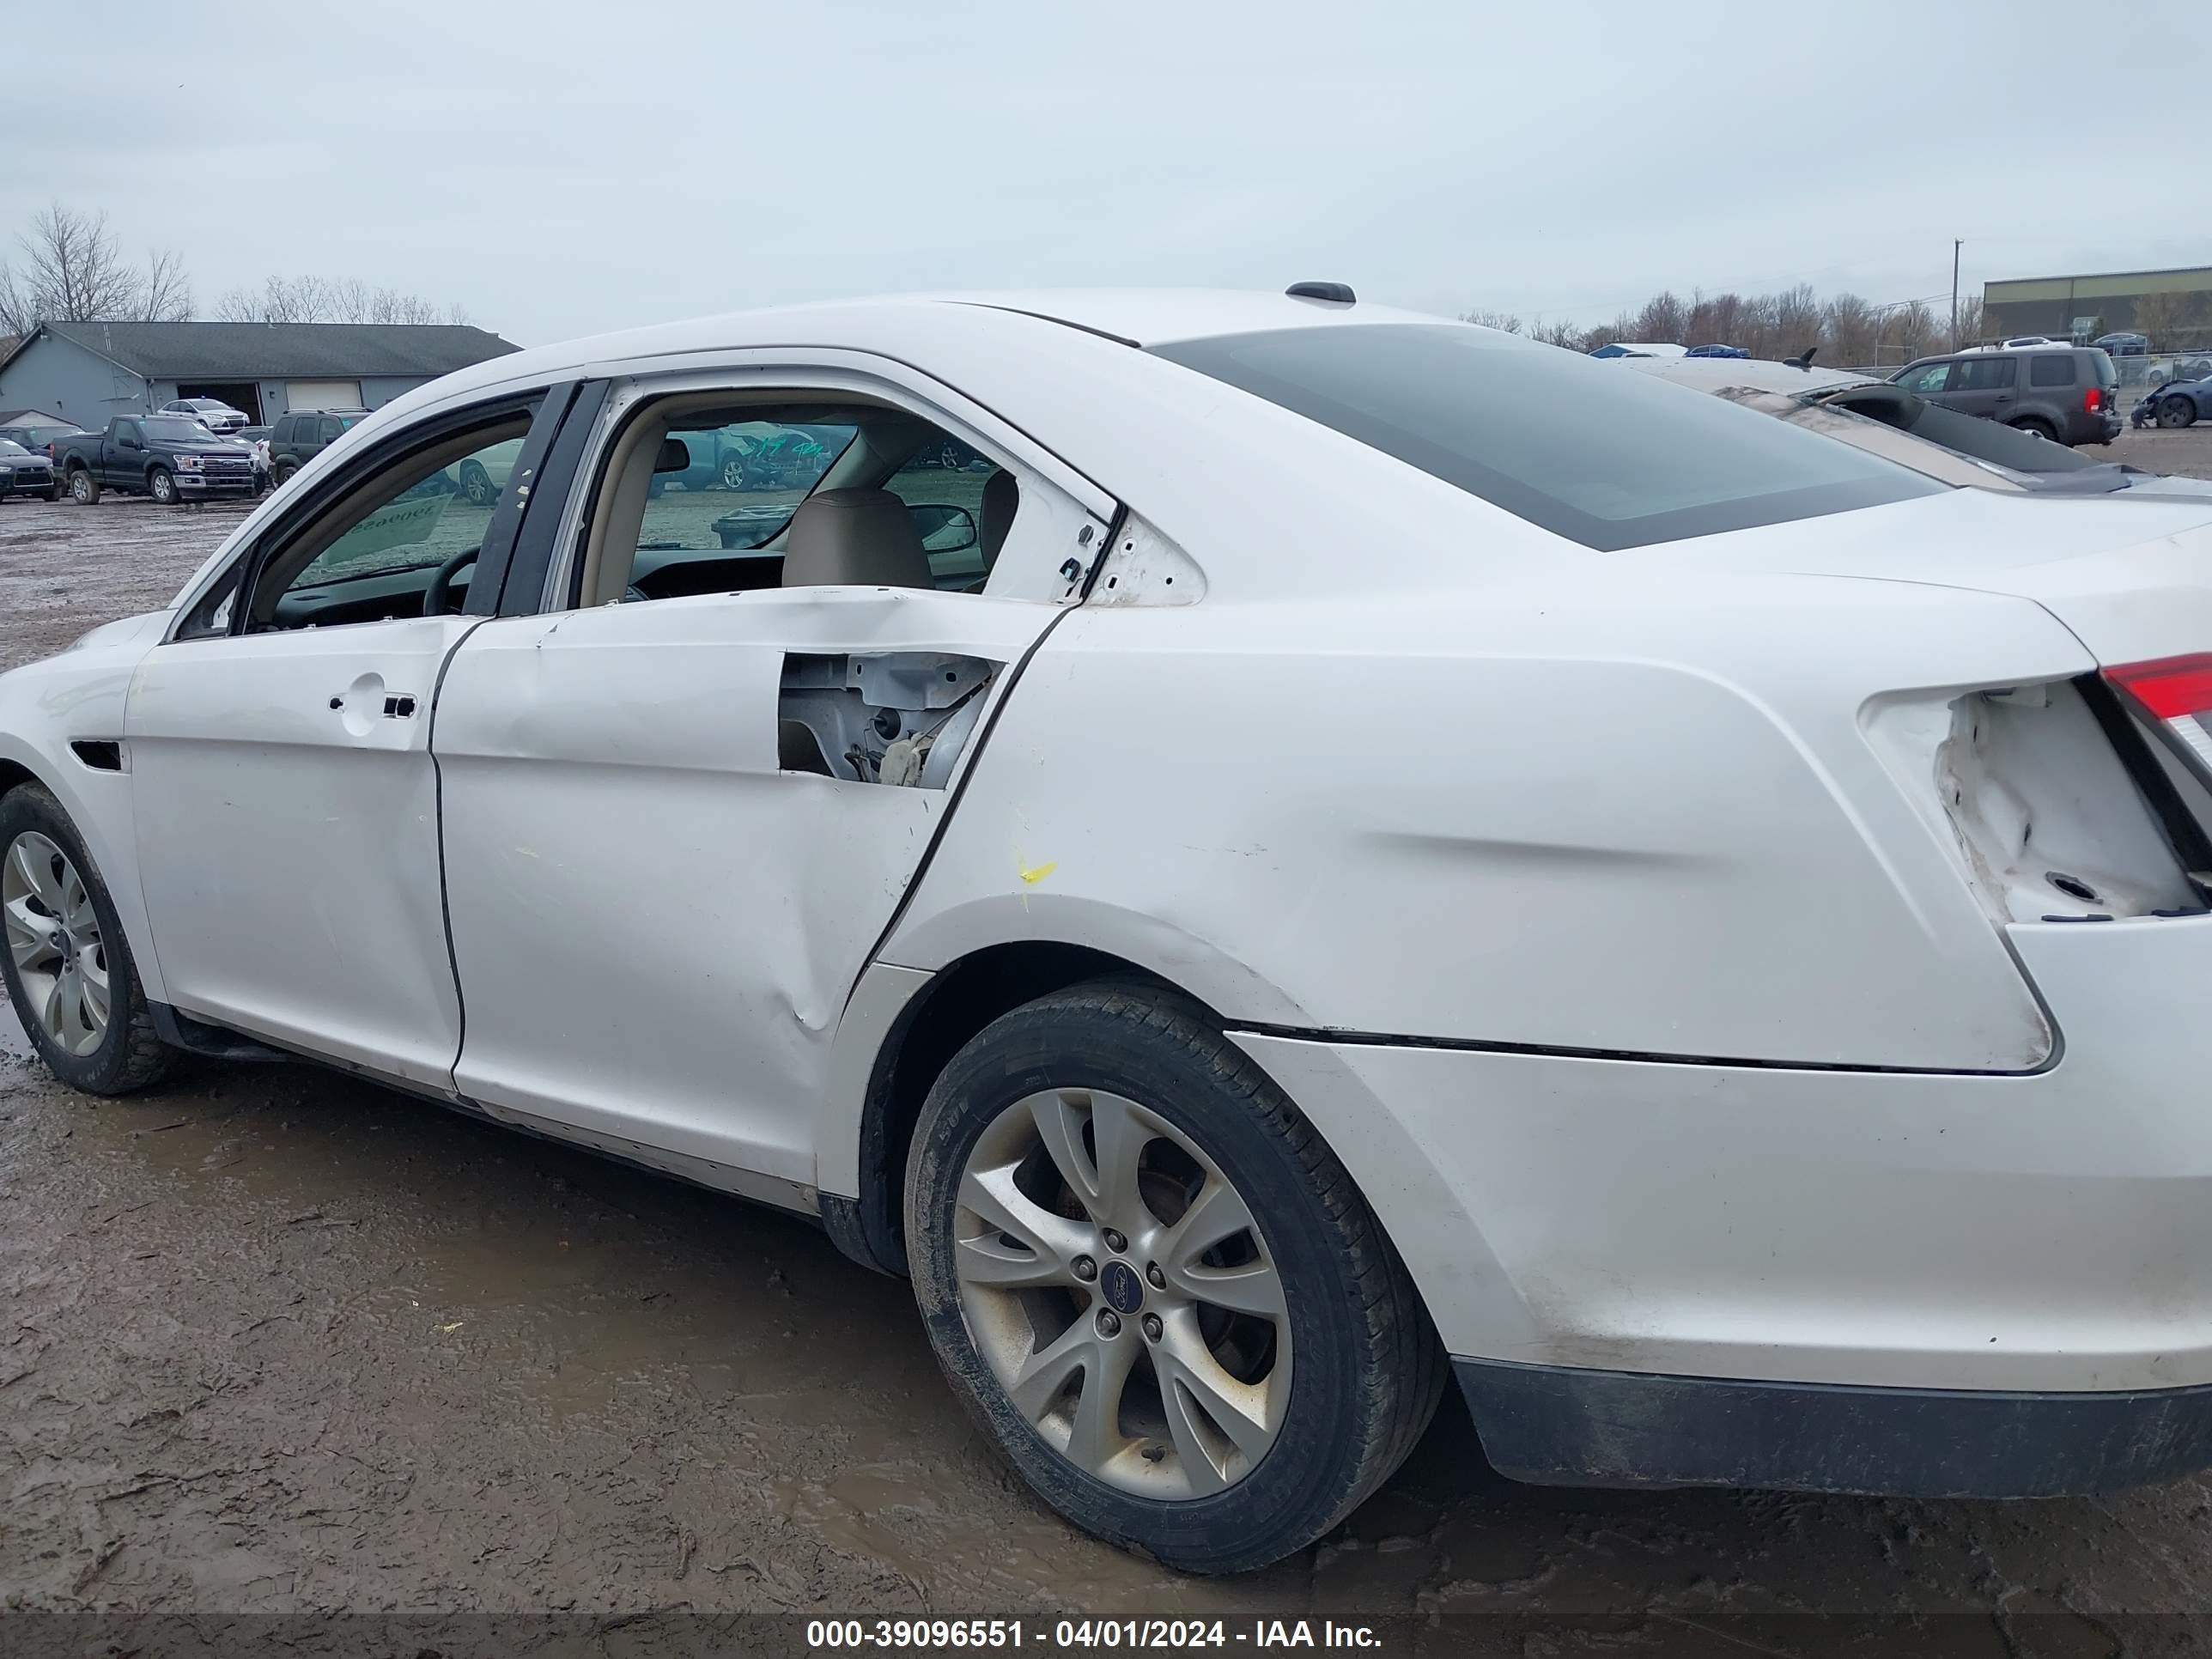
[
  {"x": 1155, "y": 1287},
  {"x": 2176, "y": 412},
  {"x": 66, "y": 963},
  {"x": 162, "y": 487}
]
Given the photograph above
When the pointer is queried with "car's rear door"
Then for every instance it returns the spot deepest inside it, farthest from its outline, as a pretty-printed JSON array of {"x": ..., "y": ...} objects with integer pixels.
[
  {"x": 285, "y": 799},
  {"x": 659, "y": 892}
]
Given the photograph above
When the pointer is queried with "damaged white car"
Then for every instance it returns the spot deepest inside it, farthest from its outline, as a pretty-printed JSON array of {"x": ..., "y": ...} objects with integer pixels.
[{"x": 1322, "y": 872}]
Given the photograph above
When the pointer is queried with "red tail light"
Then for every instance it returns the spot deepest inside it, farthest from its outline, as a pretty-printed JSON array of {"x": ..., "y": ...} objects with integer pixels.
[
  {"x": 2093, "y": 400},
  {"x": 2169, "y": 688}
]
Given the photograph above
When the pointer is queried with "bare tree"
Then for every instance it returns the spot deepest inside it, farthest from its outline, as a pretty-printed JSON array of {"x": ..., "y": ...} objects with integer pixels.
[
  {"x": 1970, "y": 320},
  {"x": 1499, "y": 319},
  {"x": 1851, "y": 330},
  {"x": 165, "y": 293},
  {"x": 1664, "y": 317},
  {"x": 2162, "y": 315},
  {"x": 1562, "y": 333},
  {"x": 17, "y": 315},
  {"x": 329, "y": 300},
  {"x": 72, "y": 271}
]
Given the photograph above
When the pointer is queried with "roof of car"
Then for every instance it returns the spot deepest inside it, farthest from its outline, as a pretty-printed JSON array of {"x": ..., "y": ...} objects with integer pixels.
[
  {"x": 1752, "y": 373},
  {"x": 1124, "y": 317}
]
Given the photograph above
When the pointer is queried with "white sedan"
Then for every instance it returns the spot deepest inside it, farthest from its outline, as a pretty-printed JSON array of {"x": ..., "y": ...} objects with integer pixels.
[{"x": 1328, "y": 872}]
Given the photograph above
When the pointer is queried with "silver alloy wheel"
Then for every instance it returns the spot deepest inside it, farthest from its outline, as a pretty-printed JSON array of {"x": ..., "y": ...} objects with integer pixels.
[
  {"x": 163, "y": 486},
  {"x": 1122, "y": 1293},
  {"x": 81, "y": 486},
  {"x": 53, "y": 934}
]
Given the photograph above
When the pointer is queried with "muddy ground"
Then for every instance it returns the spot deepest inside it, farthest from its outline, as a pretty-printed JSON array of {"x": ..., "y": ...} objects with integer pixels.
[{"x": 275, "y": 1342}]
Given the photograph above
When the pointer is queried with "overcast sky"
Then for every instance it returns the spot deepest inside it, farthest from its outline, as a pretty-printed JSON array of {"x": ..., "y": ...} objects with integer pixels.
[{"x": 562, "y": 168}]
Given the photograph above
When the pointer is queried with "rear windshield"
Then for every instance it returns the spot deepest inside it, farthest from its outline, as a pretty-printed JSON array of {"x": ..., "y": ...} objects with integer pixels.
[{"x": 1589, "y": 450}]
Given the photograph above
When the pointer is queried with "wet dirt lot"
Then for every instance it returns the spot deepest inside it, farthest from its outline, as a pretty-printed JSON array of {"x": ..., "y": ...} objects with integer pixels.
[{"x": 273, "y": 1341}]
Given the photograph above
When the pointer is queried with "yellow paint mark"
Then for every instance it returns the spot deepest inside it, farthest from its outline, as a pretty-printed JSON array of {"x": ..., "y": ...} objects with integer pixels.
[{"x": 1036, "y": 873}]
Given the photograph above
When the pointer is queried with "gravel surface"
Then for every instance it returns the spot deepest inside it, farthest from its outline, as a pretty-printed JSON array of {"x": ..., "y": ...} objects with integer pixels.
[{"x": 273, "y": 1341}]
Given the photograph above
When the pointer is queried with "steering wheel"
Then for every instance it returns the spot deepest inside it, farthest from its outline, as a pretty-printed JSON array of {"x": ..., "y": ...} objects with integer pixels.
[{"x": 441, "y": 590}]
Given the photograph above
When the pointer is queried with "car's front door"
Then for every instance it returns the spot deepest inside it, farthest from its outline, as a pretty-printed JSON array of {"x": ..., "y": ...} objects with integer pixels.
[
  {"x": 123, "y": 457},
  {"x": 675, "y": 827},
  {"x": 286, "y": 803}
]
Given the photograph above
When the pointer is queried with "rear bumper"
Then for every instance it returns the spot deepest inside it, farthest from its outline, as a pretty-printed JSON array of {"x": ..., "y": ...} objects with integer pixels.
[
  {"x": 1564, "y": 1426},
  {"x": 2048, "y": 1232}
]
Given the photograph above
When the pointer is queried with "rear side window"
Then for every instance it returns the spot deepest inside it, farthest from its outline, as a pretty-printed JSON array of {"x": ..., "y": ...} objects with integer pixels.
[
  {"x": 2051, "y": 368},
  {"x": 1984, "y": 374},
  {"x": 1605, "y": 457}
]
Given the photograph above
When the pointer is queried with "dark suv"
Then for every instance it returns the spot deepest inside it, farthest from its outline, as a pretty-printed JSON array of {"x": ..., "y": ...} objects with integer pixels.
[
  {"x": 2063, "y": 392},
  {"x": 298, "y": 438}
]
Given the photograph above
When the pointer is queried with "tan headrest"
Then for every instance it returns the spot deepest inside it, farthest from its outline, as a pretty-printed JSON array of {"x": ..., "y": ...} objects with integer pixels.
[
  {"x": 858, "y": 537},
  {"x": 1001, "y": 496}
]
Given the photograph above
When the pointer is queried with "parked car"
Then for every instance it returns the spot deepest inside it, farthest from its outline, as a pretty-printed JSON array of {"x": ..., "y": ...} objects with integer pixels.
[
  {"x": 298, "y": 437},
  {"x": 1662, "y": 1042},
  {"x": 2178, "y": 404},
  {"x": 24, "y": 472},
  {"x": 256, "y": 438},
  {"x": 1716, "y": 351},
  {"x": 1888, "y": 420},
  {"x": 212, "y": 413},
  {"x": 171, "y": 457},
  {"x": 1639, "y": 349},
  {"x": 2066, "y": 394},
  {"x": 2123, "y": 345},
  {"x": 38, "y": 438},
  {"x": 2180, "y": 368}
]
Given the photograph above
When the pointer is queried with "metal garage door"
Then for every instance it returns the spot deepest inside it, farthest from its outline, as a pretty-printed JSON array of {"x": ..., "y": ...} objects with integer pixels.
[{"x": 322, "y": 394}]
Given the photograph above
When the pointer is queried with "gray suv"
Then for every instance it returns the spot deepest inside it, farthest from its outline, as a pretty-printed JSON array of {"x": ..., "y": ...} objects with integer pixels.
[{"x": 2067, "y": 393}]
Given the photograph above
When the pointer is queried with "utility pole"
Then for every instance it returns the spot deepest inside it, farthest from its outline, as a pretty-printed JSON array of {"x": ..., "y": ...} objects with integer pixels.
[{"x": 1955, "y": 246}]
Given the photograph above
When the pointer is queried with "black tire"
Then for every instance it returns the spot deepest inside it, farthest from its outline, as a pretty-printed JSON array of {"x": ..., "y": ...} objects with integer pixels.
[
  {"x": 2036, "y": 428},
  {"x": 53, "y": 492},
  {"x": 1369, "y": 1367},
  {"x": 162, "y": 485},
  {"x": 129, "y": 1057},
  {"x": 84, "y": 488},
  {"x": 476, "y": 486},
  {"x": 2174, "y": 413},
  {"x": 283, "y": 470},
  {"x": 732, "y": 472}
]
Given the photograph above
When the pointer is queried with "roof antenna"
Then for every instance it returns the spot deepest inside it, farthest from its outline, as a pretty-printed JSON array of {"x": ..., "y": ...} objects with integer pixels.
[
  {"x": 1337, "y": 294},
  {"x": 1805, "y": 361}
]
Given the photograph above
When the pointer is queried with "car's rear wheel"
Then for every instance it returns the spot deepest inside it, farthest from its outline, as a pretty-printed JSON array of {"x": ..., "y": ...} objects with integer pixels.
[
  {"x": 2176, "y": 412},
  {"x": 1155, "y": 1287},
  {"x": 2036, "y": 429},
  {"x": 83, "y": 488},
  {"x": 162, "y": 487},
  {"x": 734, "y": 472},
  {"x": 65, "y": 961}
]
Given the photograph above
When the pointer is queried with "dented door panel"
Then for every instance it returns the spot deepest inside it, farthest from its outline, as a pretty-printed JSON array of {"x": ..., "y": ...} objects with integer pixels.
[{"x": 660, "y": 896}]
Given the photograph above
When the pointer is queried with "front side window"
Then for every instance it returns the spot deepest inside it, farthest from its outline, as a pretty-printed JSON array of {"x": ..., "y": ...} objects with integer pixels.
[
  {"x": 1926, "y": 382},
  {"x": 1610, "y": 460},
  {"x": 945, "y": 486},
  {"x": 387, "y": 545},
  {"x": 2051, "y": 368}
]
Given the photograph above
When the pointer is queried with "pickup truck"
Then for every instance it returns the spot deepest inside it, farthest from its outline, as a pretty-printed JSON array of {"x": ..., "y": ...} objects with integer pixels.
[{"x": 169, "y": 457}]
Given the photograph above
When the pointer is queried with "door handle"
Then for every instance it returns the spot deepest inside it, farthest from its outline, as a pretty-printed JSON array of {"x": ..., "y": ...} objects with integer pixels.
[{"x": 400, "y": 708}]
